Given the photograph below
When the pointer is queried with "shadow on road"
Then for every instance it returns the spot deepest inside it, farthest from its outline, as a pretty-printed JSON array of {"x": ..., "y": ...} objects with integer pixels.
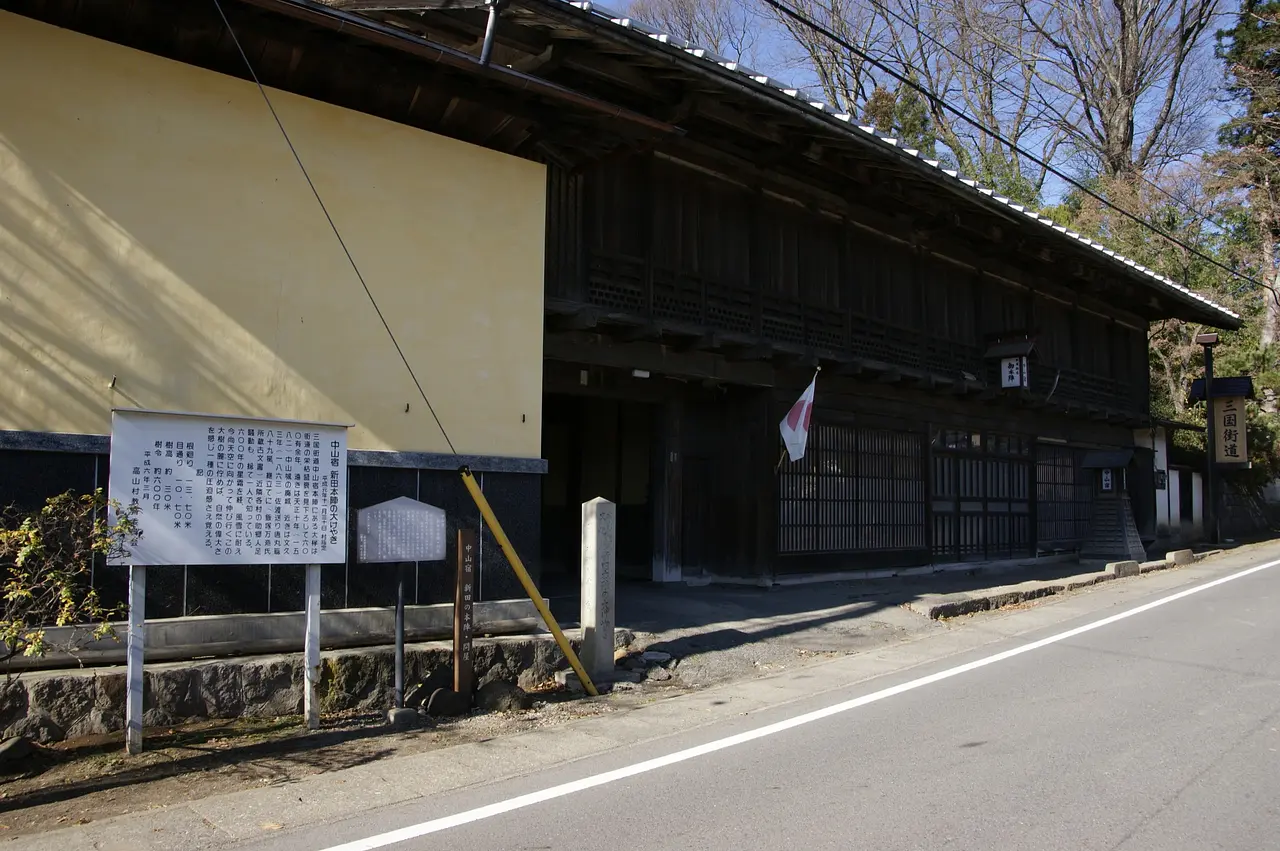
[{"x": 207, "y": 747}]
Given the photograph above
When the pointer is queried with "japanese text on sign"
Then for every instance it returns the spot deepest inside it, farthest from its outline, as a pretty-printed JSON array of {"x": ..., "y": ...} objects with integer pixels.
[
  {"x": 1013, "y": 372},
  {"x": 464, "y": 599},
  {"x": 1232, "y": 441},
  {"x": 231, "y": 491}
]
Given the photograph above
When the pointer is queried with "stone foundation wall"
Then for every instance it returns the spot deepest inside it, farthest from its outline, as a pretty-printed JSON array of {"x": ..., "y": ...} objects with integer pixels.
[{"x": 53, "y": 706}]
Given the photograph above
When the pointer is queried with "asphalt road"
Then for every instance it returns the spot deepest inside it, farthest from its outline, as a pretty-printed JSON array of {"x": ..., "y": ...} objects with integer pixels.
[{"x": 1159, "y": 730}]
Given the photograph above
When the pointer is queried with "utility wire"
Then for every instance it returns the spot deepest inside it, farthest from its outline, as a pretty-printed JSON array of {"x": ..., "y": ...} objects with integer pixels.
[
  {"x": 262, "y": 90},
  {"x": 805, "y": 20},
  {"x": 1005, "y": 86}
]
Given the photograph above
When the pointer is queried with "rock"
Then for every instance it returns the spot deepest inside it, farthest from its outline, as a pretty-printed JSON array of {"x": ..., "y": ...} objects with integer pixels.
[
  {"x": 221, "y": 687},
  {"x": 439, "y": 678},
  {"x": 658, "y": 674},
  {"x": 96, "y": 722},
  {"x": 272, "y": 689},
  {"x": 157, "y": 718},
  {"x": 634, "y": 663},
  {"x": 358, "y": 680},
  {"x": 1180, "y": 557},
  {"x": 623, "y": 638},
  {"x": 65, "y": 700},
  {"x": 403, "y": 718},
  {"x": 626, "y": 677},
  {"x": 494, "y": 662},
  {"x": 493, "y": 675},
  {"x": 1123, "y": 568},
  {"x": 38, "y": 727},
  {"x": 499, "y": 696},
  {"x": 172, "y": 691},
  {"x": 624, "y": 685},
  {"x": 541, "y": 659},
  {"x": 12, "y": 750},
  {"x": 656, "y": 656},
  {"x": 112, "y": 689},
  {"x": 447, "y": 703},
  {"x": 14, "y": 701},
  {"x": 569, "y": 680}
]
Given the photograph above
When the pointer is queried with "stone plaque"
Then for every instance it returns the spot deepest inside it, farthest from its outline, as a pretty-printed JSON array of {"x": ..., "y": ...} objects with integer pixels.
[{"x": 399, "y": 530}]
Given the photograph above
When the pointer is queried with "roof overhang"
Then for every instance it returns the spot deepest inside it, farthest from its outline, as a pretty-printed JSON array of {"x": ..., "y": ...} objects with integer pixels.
[{"x": 616, "y": 27}]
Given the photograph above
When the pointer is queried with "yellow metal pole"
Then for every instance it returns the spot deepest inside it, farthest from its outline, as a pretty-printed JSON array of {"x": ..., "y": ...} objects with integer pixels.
[{"x": 527, "y": 581}]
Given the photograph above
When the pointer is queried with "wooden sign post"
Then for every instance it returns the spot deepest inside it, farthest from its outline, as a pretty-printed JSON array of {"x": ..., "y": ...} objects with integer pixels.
[{"x": 463, "y": 625}]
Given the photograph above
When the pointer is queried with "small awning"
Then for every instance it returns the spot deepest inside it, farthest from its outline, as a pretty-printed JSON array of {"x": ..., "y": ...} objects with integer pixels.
[
  {"x": 1011, "y": 349},
  {"x": 1107, "y": 459}
]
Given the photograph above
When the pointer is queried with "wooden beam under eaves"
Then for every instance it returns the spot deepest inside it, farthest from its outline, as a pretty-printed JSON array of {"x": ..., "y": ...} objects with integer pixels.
[{"x": 402, "y": 5}]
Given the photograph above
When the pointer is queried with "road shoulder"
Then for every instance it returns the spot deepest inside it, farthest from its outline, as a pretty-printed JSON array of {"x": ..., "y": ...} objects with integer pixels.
[{"x": 332, "y": 796}]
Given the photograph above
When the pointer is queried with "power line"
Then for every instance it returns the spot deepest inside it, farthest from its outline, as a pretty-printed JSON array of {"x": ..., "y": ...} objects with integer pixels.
[
  {"x": 298, "y": 159},
  {"x": 898, "y": 16},
  {"x": 803, "y": 19}
]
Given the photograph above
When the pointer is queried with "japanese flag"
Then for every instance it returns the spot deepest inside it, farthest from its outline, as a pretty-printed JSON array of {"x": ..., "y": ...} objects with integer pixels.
[{"x": 795, "y": 426}]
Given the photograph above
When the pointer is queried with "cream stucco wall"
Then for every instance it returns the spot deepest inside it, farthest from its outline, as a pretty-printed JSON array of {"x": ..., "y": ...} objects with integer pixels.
[{"x": 154, "y": 228}]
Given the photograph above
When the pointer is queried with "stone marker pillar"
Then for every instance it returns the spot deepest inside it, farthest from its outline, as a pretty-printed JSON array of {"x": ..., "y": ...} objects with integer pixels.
[{"x": 599, "y": 566}]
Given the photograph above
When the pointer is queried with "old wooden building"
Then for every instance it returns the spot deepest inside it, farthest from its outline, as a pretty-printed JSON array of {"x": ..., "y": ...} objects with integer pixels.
[
  {"x": 712, "y": 238},
  {"x": 696, "y": 280}
]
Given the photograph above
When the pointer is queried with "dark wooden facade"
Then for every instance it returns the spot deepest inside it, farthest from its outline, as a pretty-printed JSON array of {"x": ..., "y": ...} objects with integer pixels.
[
  {"x": 711, "y": 240},
  {"x": 684, "y": 272}
]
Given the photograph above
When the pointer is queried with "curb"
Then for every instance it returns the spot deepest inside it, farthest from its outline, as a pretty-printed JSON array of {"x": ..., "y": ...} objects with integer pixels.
[{"x": 942, "y": 606}]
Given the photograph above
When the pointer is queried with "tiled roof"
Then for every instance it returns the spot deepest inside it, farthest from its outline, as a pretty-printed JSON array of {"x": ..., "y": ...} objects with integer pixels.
[{"x": 981, "y": 193}]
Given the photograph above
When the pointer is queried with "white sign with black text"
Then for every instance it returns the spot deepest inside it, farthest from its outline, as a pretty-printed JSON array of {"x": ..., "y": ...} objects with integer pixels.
[
  {"x": 1013, "y": 373},
  {"x": 214, "y": 490}
]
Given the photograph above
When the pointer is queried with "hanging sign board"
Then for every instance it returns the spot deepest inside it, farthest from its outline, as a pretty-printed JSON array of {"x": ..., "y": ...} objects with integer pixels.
[
  {"x": 1108, "y": 480},
  {"x": 1231, "y": 441},
  {"x": 217, "y": 490},
  {"x": 1013, "y": 372}
]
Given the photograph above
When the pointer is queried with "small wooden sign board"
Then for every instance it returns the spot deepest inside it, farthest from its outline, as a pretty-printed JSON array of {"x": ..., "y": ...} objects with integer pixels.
[{"x": 463, "y": 625}]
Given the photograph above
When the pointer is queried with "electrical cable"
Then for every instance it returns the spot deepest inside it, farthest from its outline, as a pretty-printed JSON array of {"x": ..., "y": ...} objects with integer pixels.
[
  {"x": 803, "y": 19},
  {"x": 1004, "y": 86},
  {"x": 298, "y": 159}
]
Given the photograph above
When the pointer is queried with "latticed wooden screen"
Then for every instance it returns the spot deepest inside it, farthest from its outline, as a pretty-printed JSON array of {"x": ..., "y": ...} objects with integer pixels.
[{"x": 856, "y": 490}]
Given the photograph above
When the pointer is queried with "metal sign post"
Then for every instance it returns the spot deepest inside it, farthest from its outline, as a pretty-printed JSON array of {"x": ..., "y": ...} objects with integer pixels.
[
  {"x": 400, "y": 531},
  {"x": 311, "y": 649},
  {"x": 134, "y": 653},
  {"x": 222, "y": 490}
]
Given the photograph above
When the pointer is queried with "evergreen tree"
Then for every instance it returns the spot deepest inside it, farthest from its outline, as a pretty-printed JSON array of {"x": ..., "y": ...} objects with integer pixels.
[{"x": 1251, "y": 161}]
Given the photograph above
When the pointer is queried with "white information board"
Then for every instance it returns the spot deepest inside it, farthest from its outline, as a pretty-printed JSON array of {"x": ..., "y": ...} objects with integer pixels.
[{"x": 217, "y": 490}]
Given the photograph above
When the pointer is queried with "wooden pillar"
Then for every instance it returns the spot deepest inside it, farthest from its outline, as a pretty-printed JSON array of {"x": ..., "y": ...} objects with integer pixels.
[
  {"x": 668, "y": 483},
  {"x": 926, "y": 467},
  {"x": 757, "y": 261},
  {"x": 761, "y": 485}
]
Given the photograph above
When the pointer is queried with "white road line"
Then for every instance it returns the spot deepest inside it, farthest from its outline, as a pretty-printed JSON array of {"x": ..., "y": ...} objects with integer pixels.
[{"x": 480, "y": 813}]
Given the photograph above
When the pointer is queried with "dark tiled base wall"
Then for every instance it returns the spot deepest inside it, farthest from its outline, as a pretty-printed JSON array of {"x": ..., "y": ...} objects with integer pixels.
[{"x": 29, "y": 476}]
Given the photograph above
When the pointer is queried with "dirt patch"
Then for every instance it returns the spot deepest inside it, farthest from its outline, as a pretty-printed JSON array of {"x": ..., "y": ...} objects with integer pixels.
[{"x": 91, "y": 778}]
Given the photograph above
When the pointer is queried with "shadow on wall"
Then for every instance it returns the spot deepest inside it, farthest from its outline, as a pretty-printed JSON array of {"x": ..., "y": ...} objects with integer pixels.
[
  {"x": 182, "y": 253},
  {"x": 65, "y": 352}
]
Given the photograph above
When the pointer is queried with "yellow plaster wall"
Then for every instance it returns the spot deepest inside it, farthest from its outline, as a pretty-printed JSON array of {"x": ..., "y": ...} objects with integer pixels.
[{"x": 154, "y": 228}]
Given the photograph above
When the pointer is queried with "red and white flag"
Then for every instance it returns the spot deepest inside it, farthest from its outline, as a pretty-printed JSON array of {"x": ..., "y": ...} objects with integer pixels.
[{"x": 795, "y": 426}]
